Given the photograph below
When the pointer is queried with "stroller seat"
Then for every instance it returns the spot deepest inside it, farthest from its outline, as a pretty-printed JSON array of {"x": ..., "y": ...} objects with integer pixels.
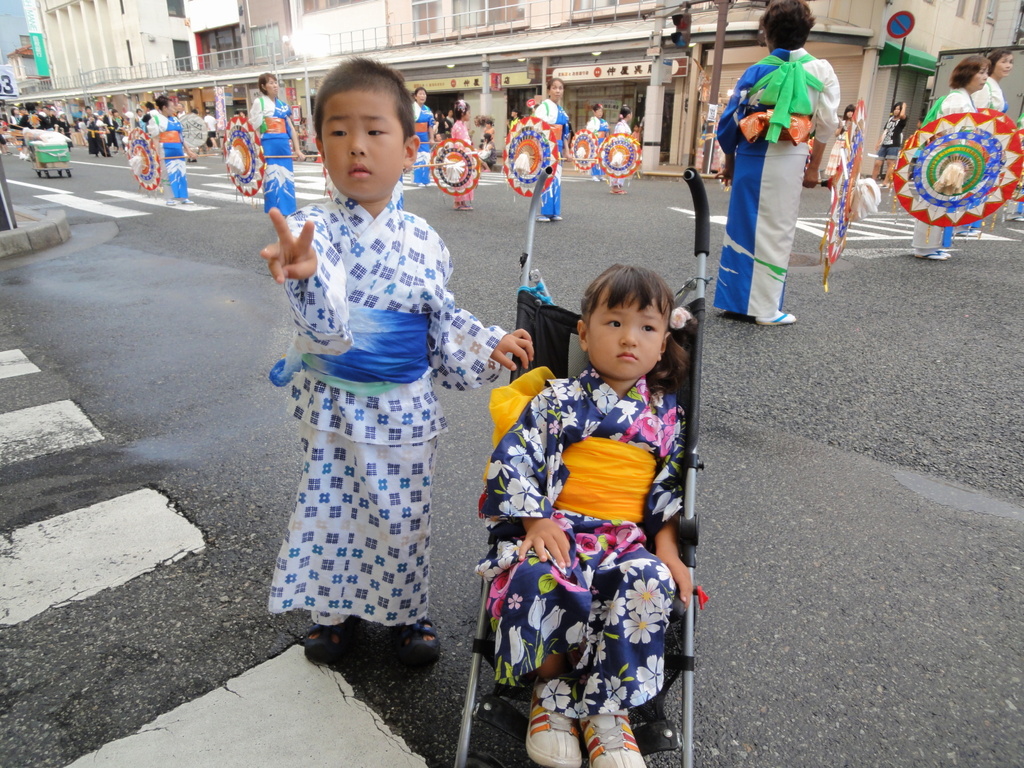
[{"x": 556, "y": 346}]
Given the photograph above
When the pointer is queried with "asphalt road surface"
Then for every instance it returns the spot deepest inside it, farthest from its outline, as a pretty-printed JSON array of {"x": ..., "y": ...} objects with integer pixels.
[{"x": 862, "y": 521}]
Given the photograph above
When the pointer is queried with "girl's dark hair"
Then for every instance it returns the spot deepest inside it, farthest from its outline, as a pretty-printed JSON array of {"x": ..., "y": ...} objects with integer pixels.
[
  {"x": 162, "y": 101},
  {"x": 995, "y": 57},
  {"x": 622, "y": 285},
  {"x": 265, "y": 78},
  {"x": 897, "y": 104},
  {"x": 362, "y": 74},
  {"x": 596, "y": 106},
  {"x": 624, "y": 111},
  {"x": 787, "y": 23},
  {"x": 460, "y": 109},
  {"x": 965, "y": 71},
  {"x": 849, "y": 108}
]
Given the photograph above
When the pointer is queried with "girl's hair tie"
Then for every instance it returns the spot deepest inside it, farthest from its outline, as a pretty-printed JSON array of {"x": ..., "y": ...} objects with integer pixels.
[{"x": 680, "y": 316}]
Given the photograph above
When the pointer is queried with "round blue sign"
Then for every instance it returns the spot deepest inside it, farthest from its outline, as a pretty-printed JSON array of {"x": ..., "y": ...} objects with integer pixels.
[{"x": 900, "y": 24}]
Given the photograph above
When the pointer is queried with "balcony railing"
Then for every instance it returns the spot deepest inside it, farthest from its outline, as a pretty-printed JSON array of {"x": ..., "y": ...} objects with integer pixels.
[{"x": 472, "y": 19}]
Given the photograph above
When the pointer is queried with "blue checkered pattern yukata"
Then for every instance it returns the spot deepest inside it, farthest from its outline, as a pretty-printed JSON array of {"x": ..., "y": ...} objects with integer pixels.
[{"x": 358, "y": 540}]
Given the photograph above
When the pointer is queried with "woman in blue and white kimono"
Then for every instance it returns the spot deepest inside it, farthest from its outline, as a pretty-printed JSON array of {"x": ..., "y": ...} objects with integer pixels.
[
  {"x": 598, "y": 126},
  {"x": 164, "y": 126},
  {"x": 426, "y": 132},
  {"x": 272, "y": 120},
  {"x": 766, "y": 162},
  {"x": 551, "y": 112}
]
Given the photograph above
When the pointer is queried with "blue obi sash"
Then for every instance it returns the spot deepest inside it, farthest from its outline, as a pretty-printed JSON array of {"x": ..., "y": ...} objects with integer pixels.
[{"x": 387, "y": 346}]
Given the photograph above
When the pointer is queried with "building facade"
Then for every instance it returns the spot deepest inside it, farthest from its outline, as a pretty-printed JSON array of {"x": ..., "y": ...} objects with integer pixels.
[{"x": 497, "y": 54}]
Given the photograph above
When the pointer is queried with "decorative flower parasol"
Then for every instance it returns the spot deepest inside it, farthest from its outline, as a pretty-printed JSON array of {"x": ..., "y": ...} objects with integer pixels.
[
  {"x": 584, "y": 149},
  {"x": 455, "y": 167},
  {"x": 960, "y": 168},
  {"x": 529, "y": 149},
  {"x": 244, "y": 157},
  {"x": 144, "y": 159},
  {"x": 844, "y": 189},
  {"x": 619, "y": 156}
]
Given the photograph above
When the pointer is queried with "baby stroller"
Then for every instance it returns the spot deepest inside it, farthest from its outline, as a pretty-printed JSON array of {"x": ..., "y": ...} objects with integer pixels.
[{"x": 553, "y": 329}]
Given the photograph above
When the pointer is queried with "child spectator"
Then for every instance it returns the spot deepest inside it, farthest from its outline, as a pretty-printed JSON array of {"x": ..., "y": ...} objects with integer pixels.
[
  {"x": 377, "y": 327},
  {"x": 580, "y": 605}
]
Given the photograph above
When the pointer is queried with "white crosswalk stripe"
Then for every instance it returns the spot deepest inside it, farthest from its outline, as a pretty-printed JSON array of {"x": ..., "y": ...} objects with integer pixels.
[
  {"x": 113, "y": 542},
  {"x": 284, "y": 711},
  {"x": 14, "y": 363},
  {"x": 44, "y": 429},
  {"x": 138, "y": 197},
  {"x": 92, "y": 206},
  {"x": 872, "y": 229}
]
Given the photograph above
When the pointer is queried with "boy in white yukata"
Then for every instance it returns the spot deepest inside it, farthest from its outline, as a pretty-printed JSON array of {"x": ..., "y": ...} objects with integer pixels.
[{"x": 376, "y": 327}]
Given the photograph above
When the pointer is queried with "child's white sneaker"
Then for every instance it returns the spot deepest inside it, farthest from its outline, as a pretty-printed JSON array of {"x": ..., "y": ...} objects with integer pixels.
[
  {"x": 610, "y": 742},
  {"x": 552, "y": 740}
]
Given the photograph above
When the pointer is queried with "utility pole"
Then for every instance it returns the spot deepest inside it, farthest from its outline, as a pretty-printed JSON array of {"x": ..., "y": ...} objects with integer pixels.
[
  {"x": 716, "y": 82},
  {"x": 655, "y": 103}
]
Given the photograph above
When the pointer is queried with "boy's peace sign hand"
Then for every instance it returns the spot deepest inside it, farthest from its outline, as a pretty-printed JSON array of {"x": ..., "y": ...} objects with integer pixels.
[{"x": 290, "y": 258}]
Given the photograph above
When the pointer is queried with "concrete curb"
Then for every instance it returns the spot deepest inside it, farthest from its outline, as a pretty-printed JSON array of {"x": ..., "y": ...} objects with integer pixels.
[{"x": 37, "y": 230}]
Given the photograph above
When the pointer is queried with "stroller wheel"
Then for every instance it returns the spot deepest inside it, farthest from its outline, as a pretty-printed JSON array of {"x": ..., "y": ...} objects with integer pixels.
[{"x": 477, "y": 760}]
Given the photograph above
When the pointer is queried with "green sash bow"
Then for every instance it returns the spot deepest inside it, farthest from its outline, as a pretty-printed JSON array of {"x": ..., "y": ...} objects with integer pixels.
[{"x": 785, "y": 89}]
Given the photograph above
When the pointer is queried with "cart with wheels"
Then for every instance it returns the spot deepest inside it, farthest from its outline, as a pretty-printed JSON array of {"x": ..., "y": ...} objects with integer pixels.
[{"x": 50, "y": 157}]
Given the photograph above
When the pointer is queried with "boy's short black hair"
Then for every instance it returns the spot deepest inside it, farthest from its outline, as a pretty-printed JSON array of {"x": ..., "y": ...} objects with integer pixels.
[
  {"x": 787, "y": 23},
  {"x": 362, "y": 74}
]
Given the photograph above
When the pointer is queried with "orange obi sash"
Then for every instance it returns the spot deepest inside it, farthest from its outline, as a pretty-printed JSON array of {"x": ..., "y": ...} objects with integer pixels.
[
  {"x": 608, "y": 479},
  {"x": 170, "y": 137},
  {"x": 556, "y": 131},
  {"x": 754, "y": 127},
  {"x": 422, "y": 127},
  {"x": 276, "y": 125}
]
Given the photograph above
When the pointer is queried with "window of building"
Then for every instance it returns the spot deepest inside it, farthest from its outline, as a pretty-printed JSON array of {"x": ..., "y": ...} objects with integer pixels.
[
  {"x": 266, "y": 41},
  {"x": 131, "y": 61},
  {"x": 320, "y": 5},
  {"x": 990, "y": 14},
  {"x": 976, "y": 17},
  {"x": 425, "y": 16},
  {"x": 960, "y": 7},
  {"x": 481, "y": 13},
  {"x": 25, "y": 40},
  {"x": 182, "y": 56},
  {"x": 176, "y": 8}
]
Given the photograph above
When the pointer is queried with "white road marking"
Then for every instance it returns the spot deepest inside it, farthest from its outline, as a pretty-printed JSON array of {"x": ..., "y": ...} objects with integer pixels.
[
  {"x": 223, "y": 196},
  {"x": 228, "y": 185},
  {"x": 14, "y": 363},
  {"x": 92, "y": 206},
  {"x": 285, "y": 711},
  {"x": 44, "y": 429},
  {"x": 138, "y": 197},
  {"x": 39, "y": 186},
  {"x": 81, "y": 553}
]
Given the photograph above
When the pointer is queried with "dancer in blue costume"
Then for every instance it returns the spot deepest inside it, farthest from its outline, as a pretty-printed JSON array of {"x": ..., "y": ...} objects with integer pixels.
[
  {"x": 598, "y": 126},
  {"x": 377, "y": 330},
  {"x": 165, "y": 127},
  {"x": 551, "y": 112},
  {"x": 272, "y": 120},
  {"x": 426, "y": 132},
  {"x": 1001, "y": 61},
  {"x": 766, "y": 173},
  {"x": 967, "y": 80}
]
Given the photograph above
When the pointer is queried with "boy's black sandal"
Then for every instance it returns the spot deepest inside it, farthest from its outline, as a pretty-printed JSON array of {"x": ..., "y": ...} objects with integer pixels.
[
  {"x": 327, "y": 643},
  {"x": 414, "y": 647}
]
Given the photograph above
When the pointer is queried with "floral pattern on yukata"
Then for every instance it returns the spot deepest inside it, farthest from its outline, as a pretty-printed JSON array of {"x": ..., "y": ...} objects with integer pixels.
[{"x": 609, "y": 612}]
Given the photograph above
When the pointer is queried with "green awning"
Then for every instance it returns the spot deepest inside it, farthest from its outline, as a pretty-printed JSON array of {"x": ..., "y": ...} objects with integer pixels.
[{"x": 912, "y": 58}]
